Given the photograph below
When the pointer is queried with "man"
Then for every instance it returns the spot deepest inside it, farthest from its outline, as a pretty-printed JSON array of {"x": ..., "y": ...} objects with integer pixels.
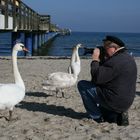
[{"x": 112, "y": 89}]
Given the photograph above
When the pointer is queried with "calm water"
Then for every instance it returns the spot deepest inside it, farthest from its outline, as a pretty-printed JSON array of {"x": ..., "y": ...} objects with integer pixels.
[{"x": 61, "y": 45}]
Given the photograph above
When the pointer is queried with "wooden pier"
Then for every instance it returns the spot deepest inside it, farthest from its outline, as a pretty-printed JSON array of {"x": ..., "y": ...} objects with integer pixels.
[{"x": 20, "y": 23}]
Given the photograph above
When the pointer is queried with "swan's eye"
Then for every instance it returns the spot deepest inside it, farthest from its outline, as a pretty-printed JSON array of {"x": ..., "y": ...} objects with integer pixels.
[{"x": 22, "y": 46}]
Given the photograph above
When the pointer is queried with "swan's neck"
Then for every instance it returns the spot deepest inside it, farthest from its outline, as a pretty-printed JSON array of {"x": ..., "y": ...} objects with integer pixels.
[
  {"x": 17, "y": 76},
  {"x": 75, "y": 59},
  {"x": 75, "y": 76}
]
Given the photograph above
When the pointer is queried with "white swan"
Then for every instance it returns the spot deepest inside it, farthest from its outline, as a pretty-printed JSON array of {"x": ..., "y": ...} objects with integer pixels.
[
  {"x": 12, "y": 93},
  {"x": 60, "y": 80}
]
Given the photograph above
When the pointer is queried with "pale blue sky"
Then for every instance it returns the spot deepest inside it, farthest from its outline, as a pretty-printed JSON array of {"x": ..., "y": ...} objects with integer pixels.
[{"x": 91, "y": 15}]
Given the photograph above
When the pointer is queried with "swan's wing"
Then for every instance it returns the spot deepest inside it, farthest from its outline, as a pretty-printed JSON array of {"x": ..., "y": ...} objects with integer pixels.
[
  {"x": 51, "y": 88},
  {"x": 53, "y": 74},
  {"x": 1, "y": 84},
  {"x": 59, "y": 76},
  {"x": 59, "y": 79},
  {"x": 11, "y": 94}
]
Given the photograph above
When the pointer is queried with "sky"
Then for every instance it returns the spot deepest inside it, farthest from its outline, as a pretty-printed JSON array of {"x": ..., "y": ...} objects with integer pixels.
[{"x": 91, "y": 15}]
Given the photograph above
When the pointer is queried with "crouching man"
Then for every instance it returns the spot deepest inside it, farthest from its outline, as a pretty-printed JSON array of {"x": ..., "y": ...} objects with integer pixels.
[{"x": 110, "y": 93}]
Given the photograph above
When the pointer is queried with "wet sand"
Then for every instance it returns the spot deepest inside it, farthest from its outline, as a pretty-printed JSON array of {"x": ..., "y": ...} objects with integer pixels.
[{"x": 43, "y": 116}]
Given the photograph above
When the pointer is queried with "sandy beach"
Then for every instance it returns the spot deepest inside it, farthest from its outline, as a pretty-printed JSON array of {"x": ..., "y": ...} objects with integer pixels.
[{"x": 43, "y": 116}]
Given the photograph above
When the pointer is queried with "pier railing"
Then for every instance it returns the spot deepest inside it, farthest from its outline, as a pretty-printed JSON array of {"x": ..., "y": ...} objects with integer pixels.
[{"x": 15, "y": 15}]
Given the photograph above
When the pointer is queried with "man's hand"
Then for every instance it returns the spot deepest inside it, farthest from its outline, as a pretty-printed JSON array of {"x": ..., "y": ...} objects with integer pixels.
[{"x": 96, "y": 54}]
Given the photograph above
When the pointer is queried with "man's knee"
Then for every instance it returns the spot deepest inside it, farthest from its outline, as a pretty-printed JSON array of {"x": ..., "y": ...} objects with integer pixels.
[{"x": 81, "y": 84}]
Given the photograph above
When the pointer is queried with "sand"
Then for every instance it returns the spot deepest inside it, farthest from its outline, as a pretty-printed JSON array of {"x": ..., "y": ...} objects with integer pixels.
[{"x": 43, "y": 116}]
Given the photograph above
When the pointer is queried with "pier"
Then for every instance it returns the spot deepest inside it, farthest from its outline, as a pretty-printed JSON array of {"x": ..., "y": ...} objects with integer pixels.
[{"x": 20, "y": 23}]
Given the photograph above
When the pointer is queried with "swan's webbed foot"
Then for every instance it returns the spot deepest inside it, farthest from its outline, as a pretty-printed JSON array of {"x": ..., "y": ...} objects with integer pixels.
[
  {"x": 11, "y": 118},
  {"x": 57, "y": 92},
  {"x": 8, "y": 118},
  {"x": 62, "y": 94},
  {"x": 10, "y": 115},
  {"x": 66, "y": 97}
]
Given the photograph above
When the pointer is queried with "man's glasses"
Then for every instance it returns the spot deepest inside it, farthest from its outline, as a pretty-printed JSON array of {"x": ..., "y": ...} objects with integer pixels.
[{"x": 109, "y": 44}]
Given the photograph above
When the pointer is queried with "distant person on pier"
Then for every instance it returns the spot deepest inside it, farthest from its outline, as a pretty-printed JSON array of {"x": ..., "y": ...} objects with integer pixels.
[{"x": 110, "y": 93}]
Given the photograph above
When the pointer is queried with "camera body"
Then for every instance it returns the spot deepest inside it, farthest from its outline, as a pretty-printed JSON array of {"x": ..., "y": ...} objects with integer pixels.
[{"x": 102, "y": 52}]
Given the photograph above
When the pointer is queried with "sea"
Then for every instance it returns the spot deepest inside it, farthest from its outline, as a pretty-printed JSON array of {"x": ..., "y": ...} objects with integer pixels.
[{"x": 62, "y": 45}]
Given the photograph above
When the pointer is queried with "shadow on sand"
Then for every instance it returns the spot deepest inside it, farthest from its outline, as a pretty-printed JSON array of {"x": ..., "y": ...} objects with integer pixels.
[
  {"x": 37, "y": 94},
  {"x": 52, "y": 109}
]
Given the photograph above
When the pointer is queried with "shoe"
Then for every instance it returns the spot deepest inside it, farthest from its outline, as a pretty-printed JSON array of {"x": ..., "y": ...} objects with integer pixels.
[
  {"x": 122, "y": 119},
  {"x": 99, "y": 120}
]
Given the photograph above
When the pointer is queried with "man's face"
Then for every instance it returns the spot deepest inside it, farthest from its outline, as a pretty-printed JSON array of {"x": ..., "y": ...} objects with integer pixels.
[{"x": 110, "y": 47}]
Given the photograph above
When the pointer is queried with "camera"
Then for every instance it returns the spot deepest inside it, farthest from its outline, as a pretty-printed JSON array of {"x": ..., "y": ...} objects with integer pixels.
[{"x": 102, "y": 52}]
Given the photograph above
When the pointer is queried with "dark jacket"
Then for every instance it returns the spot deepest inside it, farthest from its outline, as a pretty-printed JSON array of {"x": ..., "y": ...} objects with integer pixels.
[{"x": 115, "y": 80}]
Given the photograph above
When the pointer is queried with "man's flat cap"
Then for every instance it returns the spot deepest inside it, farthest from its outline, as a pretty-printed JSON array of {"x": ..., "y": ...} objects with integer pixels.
[{"x": 114, "y": 40}]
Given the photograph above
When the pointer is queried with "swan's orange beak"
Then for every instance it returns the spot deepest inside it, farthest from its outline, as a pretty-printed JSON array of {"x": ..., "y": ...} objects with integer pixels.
[{"x": 25, "y": 49}]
